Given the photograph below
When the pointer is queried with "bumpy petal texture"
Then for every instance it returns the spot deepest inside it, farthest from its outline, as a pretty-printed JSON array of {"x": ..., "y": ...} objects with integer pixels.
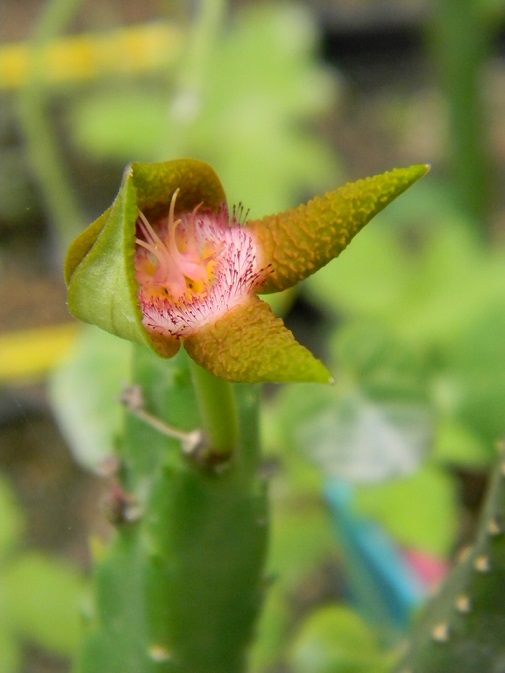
[
  {"x": 100, "y": 273},
  {"x": 300, "y": 241},
  {"x": 251, "y": 345}
]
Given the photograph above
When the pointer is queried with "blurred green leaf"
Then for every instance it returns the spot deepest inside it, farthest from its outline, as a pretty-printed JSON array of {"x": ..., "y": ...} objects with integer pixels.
[
  {"x": 374, "y": 358},
  {"x": 272, "y": 632},
  {"x": 419, "y": 511},
  {"x": 85, "y": 392},
  {"x": 369, "y": 279},
  {"x": 120, "y": 123},
  {"x": 441, "y": 293},
  {"x": 476, "y": 363},
  {"x": 456, "y": 444},
  {"x": 41, "y": 599},
  {"x": 11, "y": 521},
  {"x": 39, "y": 595},
  {"x": 456, "y": 280},
  {"x": 10, "y": 654},
  {"x": 375, "y": 422},
  {"x": 336, "y": 640},
  {"x": 302, "y": 543},
  {"x": 302, "y": 537},
  {"x": 365, "y": 439}
]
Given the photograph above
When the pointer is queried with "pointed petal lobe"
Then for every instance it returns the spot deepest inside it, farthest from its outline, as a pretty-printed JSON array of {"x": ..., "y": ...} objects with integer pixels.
[
  {"x": 300, "y": 241},
  {"x": 251, "y": 345}
]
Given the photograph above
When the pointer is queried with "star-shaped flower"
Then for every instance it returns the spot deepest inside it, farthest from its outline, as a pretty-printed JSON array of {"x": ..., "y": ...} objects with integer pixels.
[{"x": 167, "y": 264}]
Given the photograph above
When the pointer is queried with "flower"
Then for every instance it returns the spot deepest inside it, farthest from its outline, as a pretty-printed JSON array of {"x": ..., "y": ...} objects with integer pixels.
[{"x": 167, "y": 264}]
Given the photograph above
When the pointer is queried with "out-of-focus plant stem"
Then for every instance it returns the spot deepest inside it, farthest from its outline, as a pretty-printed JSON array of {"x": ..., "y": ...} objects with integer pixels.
[
  {"x": 95, "y": 56},
  {"x": 462, "y": 35},
  {"x": 47, "y": 165},
  {"x": 205, "y": 28},
  {"x": 190, "y": 82}
]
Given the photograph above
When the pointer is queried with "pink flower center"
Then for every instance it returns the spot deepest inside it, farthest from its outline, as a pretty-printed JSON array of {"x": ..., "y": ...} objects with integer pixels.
[{"x": 193, "y": 269}]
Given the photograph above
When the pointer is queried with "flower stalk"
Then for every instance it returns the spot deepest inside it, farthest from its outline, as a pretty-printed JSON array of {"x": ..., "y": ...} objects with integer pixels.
[{"x": 219, "y": 415}]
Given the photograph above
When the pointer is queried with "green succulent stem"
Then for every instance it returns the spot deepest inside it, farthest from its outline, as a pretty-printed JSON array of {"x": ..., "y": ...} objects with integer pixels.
[
  {"x": 462, "y": 37},
  {"x": 461, "y": 630},
  {"x": 180, "y": 586},
  {"x": 218, "y": 411}
]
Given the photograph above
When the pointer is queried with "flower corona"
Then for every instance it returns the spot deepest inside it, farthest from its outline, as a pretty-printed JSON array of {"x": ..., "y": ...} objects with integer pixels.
[{"x": 193, "y": 269}]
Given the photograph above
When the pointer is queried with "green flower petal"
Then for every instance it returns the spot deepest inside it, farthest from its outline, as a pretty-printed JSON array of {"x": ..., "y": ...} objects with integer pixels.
[
  {"x": 155, "y": 184},
  {"x": 83, "y": 244},
  {"x": 298, "y": 242},
  {"x": 251, "y": 345},
  {"x": 101, "y": 286},
  {"x": 99, "y": 269}
]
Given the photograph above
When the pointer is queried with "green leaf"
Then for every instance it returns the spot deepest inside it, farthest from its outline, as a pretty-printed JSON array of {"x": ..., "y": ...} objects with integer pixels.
[
  {"x": 10, "y": 653},
  {"x": 353, "y": 436},
  {"x": 419, "y": 511},
  {"x": 41, "y": 599},
  {"x": 363, "y": 439},
  {"x": 120, "y": 123},
  {"x": 376, "y": 422},
  {"x": 453, "y": 281},
  {"x": 336, "y": 639},
  {"x": 380, "y": 363},
  {"x": 85, "y": 391},
  {"x": 475, "y": 365},
  {"x": 11, "y": 520},
  {"x": 457, "y": 445}
]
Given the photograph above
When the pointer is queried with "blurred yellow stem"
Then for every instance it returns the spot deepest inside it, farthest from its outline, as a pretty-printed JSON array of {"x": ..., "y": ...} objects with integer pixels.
[
  {"x": 30, "y": 354},
  {"x": 84, "y": 57}
]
